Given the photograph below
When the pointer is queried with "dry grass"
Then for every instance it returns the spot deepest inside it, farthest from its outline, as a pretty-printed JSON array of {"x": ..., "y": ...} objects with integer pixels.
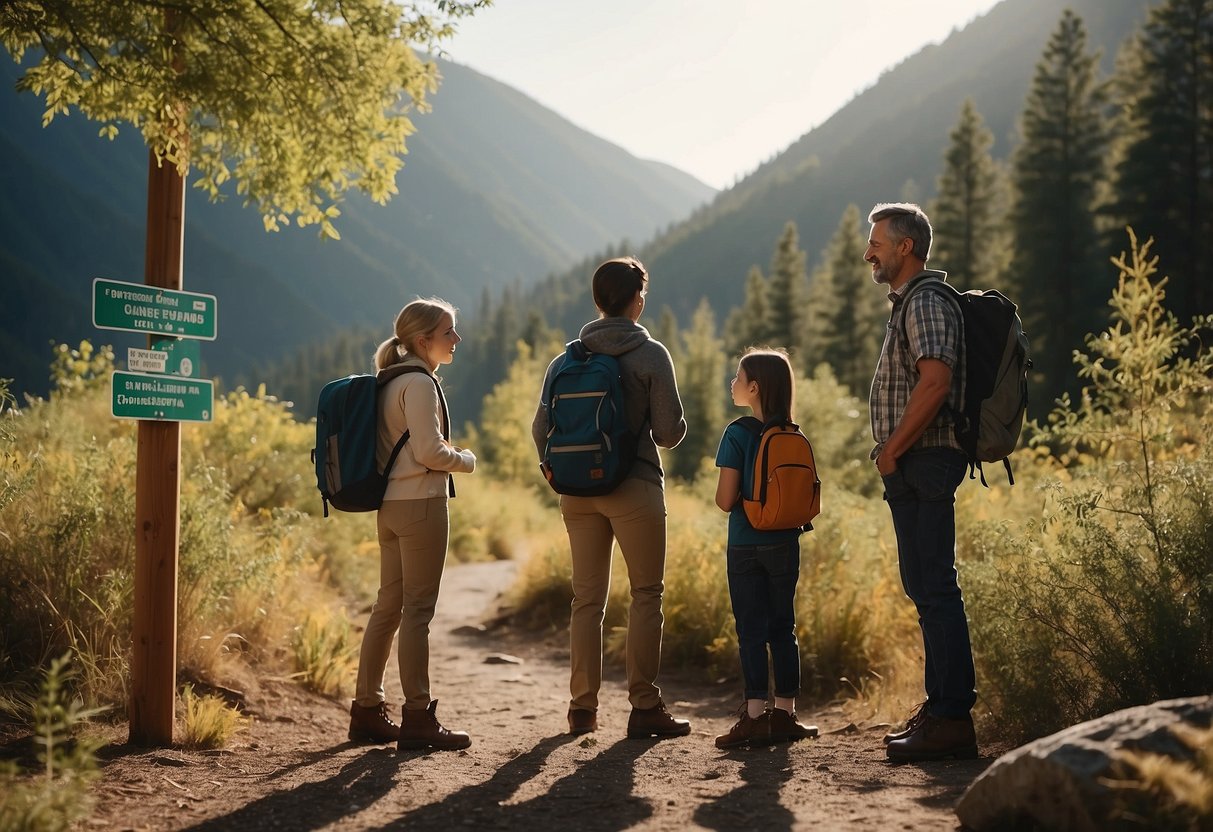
[{"x": 208, "y": 722}]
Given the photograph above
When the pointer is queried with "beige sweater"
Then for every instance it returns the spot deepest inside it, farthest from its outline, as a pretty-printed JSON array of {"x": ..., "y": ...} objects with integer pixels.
[{"x": 410, "y": 402}]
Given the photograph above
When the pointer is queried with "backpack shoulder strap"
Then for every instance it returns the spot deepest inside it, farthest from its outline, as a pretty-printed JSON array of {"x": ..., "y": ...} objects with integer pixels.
[
  {"x": 389, "y": 373},
  {"x": 750, "y": 423},
  {"x": 932, "y": 283},
  {"x": 939, "y": 287},
  {"x": 576, "y": 349}
]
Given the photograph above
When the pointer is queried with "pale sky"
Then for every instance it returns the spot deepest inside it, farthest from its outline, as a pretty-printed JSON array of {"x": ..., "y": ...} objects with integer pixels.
[{"x": 713, "y": 87}]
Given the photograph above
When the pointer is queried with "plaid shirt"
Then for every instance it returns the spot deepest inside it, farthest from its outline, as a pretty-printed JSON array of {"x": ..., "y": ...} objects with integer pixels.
[{"x": 929, "y": 326}]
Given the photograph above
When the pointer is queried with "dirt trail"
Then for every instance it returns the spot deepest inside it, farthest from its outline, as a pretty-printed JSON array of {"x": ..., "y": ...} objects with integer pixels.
[{"x": 294, "y": 770}]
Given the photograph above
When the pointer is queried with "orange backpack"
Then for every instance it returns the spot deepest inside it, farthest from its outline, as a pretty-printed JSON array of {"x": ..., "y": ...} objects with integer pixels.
[{"x": 786, "y": 491}]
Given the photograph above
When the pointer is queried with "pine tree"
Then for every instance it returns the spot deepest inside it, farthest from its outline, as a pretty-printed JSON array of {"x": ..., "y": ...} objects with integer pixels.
[
  {"x": 747, "y": 325},
  {"x": 537, "y": 335},
  {"x": 819, "y": 334},
  {"x": 1056, "y": 272},
  {"x": 666, "y": 332},
  {"x": 845, "y": 316},
  {"x": 967, "y": 214},
  {"x": 701, "y": 385},
  {"x": 1164, "y": 170},
  {"x": 786, "y": 291}
]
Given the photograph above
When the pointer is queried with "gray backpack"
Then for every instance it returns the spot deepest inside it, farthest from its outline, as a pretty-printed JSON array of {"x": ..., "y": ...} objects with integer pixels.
[{"x": 996, "y": 374}]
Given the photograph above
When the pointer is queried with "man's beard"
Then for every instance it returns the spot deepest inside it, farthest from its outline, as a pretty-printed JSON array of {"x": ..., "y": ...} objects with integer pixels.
[{"x": 884, "y": 273}]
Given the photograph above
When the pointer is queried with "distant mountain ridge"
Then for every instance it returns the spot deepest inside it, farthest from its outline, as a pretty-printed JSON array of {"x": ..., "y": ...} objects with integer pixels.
[
  {"x": 496, "y": 189},
  {"x": 887, "y": 143}
]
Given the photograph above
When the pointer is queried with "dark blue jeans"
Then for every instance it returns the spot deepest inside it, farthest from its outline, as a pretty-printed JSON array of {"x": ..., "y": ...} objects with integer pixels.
[
  {"x": 921, "y": 495},
  {"x": 762, "y": 587}
]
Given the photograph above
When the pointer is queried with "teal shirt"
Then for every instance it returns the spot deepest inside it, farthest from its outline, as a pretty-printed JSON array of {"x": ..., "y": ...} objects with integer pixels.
[{"x": 738, "y": 447}]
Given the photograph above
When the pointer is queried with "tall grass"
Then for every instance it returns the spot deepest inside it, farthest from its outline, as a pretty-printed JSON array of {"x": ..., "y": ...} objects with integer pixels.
[
  {"x": 325, "y": 652},
  {"x": 254, "y": 554},
  {"x": 1175, "y": 794}
]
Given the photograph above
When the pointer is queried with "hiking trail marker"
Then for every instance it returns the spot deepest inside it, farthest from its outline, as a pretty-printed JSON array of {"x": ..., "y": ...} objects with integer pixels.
[{"x": 137, "y": 307}]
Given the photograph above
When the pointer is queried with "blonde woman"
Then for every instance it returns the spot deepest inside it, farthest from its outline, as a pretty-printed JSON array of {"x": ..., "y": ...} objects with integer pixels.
[{"x": 413, "y": 528}]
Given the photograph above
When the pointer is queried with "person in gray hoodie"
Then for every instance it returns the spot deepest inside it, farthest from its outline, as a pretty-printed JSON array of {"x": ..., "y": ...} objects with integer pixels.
[{"x": 634, "y": 513}]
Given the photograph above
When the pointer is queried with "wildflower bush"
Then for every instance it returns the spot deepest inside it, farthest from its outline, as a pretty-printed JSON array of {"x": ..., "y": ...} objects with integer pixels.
[{"x": 67, "y": 479}]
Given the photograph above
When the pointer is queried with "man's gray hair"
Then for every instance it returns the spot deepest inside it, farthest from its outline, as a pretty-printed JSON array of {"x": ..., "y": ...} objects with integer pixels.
[{"x": 905, "y": 220}]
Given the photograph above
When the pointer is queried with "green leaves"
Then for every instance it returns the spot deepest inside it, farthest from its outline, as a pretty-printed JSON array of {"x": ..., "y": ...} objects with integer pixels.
[{"x": 296, "y": 101}]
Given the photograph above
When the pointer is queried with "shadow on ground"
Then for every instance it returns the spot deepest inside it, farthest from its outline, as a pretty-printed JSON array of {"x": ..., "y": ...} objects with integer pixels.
[
  {"x": 763, "y": 774},
  {"x": 598, "y": 795}
]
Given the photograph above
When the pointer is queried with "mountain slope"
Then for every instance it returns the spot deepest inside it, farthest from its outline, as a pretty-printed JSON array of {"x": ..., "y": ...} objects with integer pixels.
[
  {"x": 886, "y": 141},
  {"x": 495, "y": 189}
]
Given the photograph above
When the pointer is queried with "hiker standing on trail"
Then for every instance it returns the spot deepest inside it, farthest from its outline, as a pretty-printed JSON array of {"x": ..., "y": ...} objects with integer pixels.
[
  {"x": 413, "y": 527},
  {"x": 763, "y": 566},
  {"x": 633, "y": 513},
  {"x": 918, "y": 376}
]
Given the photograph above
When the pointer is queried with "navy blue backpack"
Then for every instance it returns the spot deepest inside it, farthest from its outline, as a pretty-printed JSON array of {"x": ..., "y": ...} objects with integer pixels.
[
  {"x": 347, "y": 417},
  {"x": 589, "y": 449}
]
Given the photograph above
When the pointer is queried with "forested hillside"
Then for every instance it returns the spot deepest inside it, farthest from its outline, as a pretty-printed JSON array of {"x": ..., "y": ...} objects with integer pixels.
[
  {"x": 893, "y": 142},
  {"x": 495, "y": 190},
  {"x": 884, "y": 145}
]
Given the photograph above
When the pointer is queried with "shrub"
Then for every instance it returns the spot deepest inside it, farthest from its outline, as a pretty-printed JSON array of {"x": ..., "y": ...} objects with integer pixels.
[
  {"x": 1108, "y": 602},
  {"x": 59, "y": 795}
]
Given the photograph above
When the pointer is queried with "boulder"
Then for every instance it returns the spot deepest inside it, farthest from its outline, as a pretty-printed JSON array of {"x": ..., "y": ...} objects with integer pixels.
[{"x": 1061, "y": 782}]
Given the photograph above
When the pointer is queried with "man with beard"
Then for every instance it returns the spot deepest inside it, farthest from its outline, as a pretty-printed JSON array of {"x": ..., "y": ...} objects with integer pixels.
[{"x": 917, "y": 384}]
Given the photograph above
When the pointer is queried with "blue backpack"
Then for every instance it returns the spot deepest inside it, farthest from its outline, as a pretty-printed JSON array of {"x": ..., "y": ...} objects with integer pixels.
[
  {"x": 347, "y": 418},
  {"x": 589, "y": 449}
]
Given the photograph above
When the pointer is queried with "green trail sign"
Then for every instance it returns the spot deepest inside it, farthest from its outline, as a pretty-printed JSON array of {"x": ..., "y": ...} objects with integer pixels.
[
  {"x": 137, "y": 307},
  {"x": 167, "y": 357},
  {"x": 168, "y": 398}
]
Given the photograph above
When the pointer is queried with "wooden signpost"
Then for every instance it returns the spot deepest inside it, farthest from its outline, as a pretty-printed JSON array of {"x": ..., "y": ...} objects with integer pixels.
[{"x": 159, "y": 308}]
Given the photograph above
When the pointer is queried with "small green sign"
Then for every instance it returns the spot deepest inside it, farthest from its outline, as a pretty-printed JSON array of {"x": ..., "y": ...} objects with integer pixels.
[
  {"x": 137, "y": 396},
  {"x": 168, "y": 357},
  {"x": 136, "y": 307}
]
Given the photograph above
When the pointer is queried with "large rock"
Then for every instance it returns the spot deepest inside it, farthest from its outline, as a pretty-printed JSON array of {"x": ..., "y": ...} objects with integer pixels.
[{"x": 1059, "y": 782}]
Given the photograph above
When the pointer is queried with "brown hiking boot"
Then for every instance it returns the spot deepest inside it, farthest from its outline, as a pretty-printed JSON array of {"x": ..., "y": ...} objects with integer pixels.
[
  {"x": 916, "y": 717},
  {"x": 656, "y": 722},
  {"x": 421, "y": 729},
  {"x": 372, "y": 724},
  {"x": 747, "y": 730},
  {"x": 936, "y": 738},
  {"x": 582, "y": 721},
  {"x": 786, "y": 728}
]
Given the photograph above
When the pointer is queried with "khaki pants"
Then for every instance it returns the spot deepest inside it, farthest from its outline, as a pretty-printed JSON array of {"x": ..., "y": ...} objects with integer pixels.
[
  {"x": 412, "y": 551},
  {"x": 634, "y": 514}
]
